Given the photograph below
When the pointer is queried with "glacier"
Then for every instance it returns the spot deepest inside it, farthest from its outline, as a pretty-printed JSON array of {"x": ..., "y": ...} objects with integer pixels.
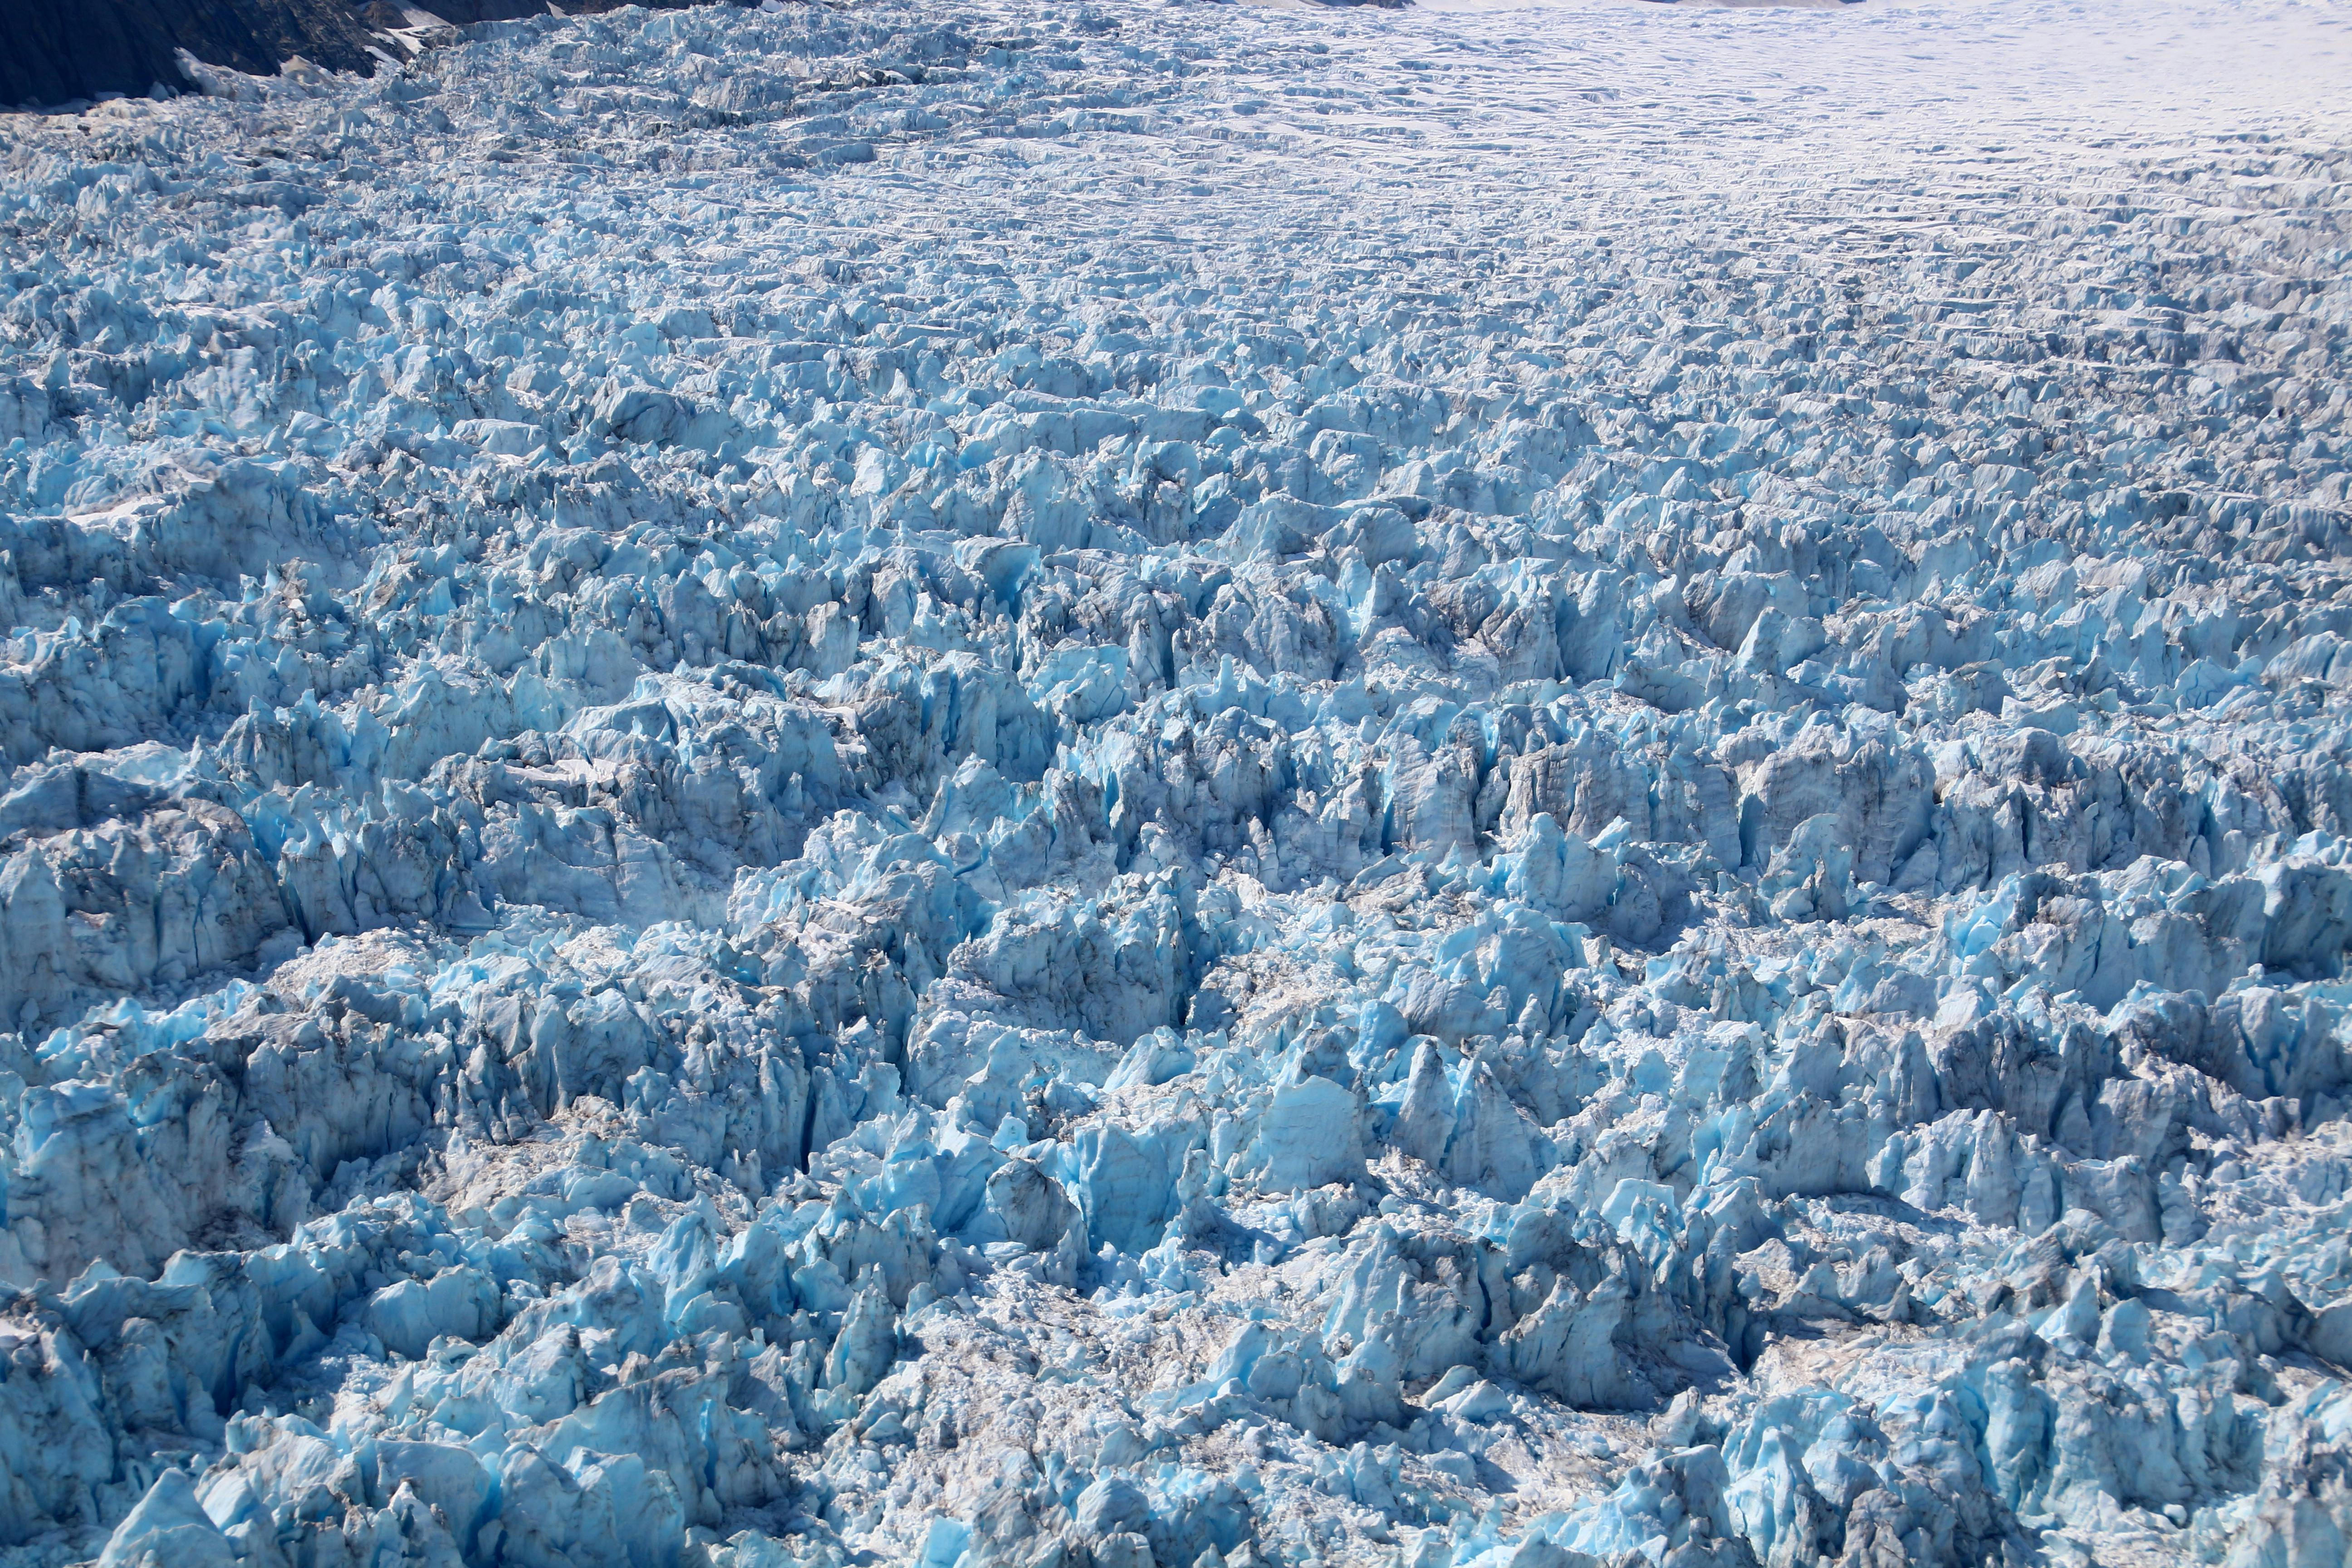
[{"x": 1189, "y": 785}]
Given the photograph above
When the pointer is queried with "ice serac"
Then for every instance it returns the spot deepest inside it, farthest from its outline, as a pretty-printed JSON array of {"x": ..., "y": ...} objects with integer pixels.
[{"x": 1151, "y": 787}]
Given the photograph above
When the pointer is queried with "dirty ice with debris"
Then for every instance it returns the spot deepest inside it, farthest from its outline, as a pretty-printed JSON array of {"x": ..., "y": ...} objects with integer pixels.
[{"x": 1043, "y": 786}]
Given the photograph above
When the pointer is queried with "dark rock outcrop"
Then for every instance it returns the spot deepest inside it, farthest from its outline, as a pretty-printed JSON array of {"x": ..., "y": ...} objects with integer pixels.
[
  {"x": 60, "y": 50},
  {"x": 64, "y": 51}
]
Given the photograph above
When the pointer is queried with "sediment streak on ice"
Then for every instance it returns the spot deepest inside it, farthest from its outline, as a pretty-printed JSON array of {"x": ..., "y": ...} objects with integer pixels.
[{"x": 1159, "y": 785}]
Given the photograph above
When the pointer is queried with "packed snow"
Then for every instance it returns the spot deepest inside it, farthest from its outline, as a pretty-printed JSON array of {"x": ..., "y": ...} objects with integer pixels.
[{"x": 1090, "y": 787}]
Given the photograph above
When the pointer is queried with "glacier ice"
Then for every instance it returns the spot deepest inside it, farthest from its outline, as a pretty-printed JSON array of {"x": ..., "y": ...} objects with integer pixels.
[{"x": 1185, "y": 786}]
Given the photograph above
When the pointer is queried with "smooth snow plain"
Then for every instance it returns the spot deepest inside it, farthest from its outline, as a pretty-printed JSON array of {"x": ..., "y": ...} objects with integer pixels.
[{"x": 1121, "y": 785}]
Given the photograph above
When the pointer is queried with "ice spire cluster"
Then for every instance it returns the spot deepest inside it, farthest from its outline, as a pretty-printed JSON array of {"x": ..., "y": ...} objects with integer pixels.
[{"x": 1043, "y": 787}]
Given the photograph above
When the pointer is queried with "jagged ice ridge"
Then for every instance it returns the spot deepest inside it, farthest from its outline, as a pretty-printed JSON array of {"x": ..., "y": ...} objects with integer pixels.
[{"x": 1188, "y": 786}]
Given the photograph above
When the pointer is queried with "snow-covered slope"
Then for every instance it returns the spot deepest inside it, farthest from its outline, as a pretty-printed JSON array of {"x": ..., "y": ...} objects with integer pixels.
[{"x": 1182, "y": 785}]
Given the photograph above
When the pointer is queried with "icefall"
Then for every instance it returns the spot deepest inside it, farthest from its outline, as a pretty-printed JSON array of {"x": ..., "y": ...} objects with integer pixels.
[{"x": 1184, "y": 786}]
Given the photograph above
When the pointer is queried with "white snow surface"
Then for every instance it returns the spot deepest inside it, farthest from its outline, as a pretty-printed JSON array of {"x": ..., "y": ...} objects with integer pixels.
[{"x": 1204, "y": 786}]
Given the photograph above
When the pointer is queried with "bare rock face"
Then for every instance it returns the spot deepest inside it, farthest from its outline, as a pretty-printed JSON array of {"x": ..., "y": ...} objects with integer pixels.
[
  {"x": 1177, "y": 787},
  {"x": 63, "y": 49}
]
